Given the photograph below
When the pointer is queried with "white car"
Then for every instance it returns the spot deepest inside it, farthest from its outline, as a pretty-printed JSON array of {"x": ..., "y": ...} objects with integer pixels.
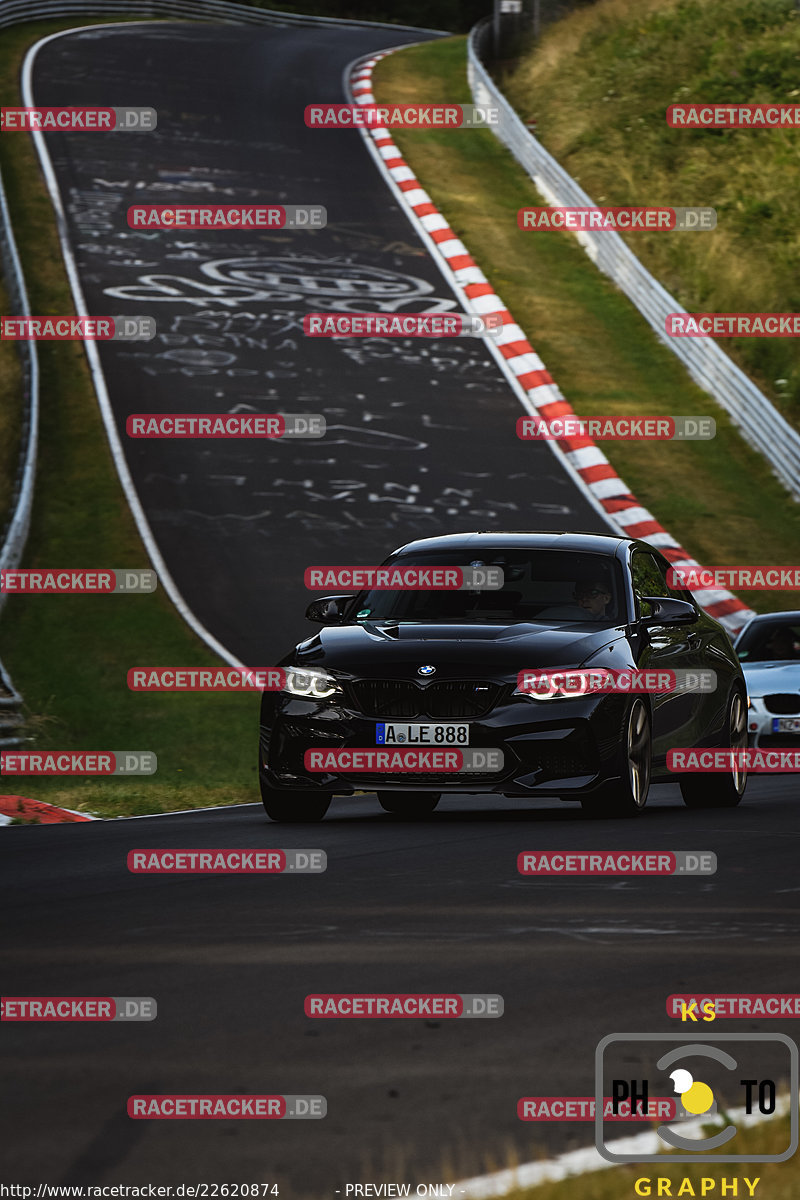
[{"x": 769, "y": 650}]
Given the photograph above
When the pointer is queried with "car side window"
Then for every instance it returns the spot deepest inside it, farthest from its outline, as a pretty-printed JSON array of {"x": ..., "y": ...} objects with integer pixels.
[
  {"x": 676, "y": 592},
  {"x": 647, "y": 580}
]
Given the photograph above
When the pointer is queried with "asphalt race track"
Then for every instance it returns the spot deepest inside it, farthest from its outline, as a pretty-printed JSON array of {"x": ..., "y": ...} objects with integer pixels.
[
  {"x": 422, "y": 441},
  {"x": 421, "y": 433},
  {"x": 432, "y": 907}
]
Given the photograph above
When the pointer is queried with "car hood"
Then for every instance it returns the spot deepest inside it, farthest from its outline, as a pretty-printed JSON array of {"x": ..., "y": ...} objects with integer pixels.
[
  {"x": 372, "y": 649},
  {"x": 764, "y": 677}
]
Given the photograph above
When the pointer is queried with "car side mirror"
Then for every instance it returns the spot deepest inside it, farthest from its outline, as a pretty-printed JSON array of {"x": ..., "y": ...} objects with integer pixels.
[
  {"x": 329, "y": 610},
  {"x": 666, "y": 611}
]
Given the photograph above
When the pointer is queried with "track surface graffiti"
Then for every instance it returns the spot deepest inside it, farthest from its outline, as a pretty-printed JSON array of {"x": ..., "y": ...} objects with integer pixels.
[{"x": 421, "y": 432}]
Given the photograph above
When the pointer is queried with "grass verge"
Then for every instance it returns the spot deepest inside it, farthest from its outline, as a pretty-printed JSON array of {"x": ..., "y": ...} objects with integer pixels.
[
  {"x": 718, "y": 498},
  {"x": 69, "y": 655},
  {"x": 598, "y": 87}
]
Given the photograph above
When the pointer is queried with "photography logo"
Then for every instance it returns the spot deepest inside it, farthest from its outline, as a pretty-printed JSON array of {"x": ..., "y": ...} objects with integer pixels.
[{"x": 709, "y": 1075}]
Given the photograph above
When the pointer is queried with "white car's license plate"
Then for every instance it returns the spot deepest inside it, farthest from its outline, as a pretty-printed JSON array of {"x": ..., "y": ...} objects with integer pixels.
[
  {"x": 786, "y": 724},
  {"x": 445, "y": 733}
]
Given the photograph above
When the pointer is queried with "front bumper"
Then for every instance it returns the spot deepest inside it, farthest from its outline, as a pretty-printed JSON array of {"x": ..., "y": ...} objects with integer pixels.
[
  {"x": 554, "y": 747},
  {"x": 762, "y": 726}
]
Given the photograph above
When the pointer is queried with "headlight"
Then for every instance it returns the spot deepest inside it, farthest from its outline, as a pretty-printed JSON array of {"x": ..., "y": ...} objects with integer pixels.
[
  {"x": 310, "y": 684},
  {"x": 555, "y": 685}
]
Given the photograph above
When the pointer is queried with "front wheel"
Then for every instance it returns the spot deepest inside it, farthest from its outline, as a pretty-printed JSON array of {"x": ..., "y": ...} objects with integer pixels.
[
  {"x": 301, "y": 808},
  {"x": 415, "y": 804},
  {"x": 627, "y": 796},
  {"x": 722, "y": 791}
]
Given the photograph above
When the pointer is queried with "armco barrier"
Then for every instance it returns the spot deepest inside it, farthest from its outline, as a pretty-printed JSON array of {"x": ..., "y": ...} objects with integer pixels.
[
  {"x": 757, "y": 419},
  {"x": 15, "y": 532}
]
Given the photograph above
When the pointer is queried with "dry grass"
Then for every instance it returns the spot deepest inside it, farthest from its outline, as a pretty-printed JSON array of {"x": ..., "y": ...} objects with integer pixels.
[{"x": 598, "y": 87}]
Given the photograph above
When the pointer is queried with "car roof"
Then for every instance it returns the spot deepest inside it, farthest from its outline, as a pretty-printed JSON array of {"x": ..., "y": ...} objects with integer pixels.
[
  {"x": 511, "y": 540},
  {"x": 791, "y": 616}
]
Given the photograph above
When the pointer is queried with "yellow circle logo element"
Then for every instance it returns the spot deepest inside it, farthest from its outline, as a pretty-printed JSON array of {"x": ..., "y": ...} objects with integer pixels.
[{"x": 698, "y": 1098}]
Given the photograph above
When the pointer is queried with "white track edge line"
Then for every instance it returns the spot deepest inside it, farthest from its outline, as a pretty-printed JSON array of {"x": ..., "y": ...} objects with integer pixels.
[{"x": 93, "y": 356}]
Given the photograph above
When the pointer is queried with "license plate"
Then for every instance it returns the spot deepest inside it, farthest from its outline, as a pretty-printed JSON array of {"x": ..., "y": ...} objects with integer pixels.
[
  {"x": 446, "y": 733},
  {"x": 786, "y": 724}
]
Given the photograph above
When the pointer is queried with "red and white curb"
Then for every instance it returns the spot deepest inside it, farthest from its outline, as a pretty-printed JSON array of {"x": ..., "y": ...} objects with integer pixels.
[
  {"x": 37, "y": 812},
  {"x": 522, "y": 366}
]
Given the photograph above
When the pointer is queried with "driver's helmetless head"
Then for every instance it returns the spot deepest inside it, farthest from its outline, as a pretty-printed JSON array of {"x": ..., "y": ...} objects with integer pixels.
[
  {"x": 780, "y": 643},
  {"x": 593, "y": 595}
]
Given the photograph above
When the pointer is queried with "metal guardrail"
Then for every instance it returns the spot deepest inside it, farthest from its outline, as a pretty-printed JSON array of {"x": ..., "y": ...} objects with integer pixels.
[
  {"x": 15, "y": 531},
  {"x": 754, "y": 415}
]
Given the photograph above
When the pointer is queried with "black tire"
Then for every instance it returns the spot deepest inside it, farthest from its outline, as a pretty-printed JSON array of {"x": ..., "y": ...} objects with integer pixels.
[
  {"x": 627, "y": 796},
  {"x": 721, "y": 791},
  {"x": 300, "y": 808},
  {"x": 409, "y": 804}
]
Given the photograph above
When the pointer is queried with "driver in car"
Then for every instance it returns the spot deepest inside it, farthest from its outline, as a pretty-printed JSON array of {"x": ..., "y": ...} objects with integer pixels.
[
  {"x": 594, "y": 597},
  {"x": 780, "y": 645}
]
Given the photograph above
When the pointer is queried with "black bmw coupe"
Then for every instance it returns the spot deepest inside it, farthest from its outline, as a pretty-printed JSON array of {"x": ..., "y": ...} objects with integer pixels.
[{"x": 441, "y": 670}]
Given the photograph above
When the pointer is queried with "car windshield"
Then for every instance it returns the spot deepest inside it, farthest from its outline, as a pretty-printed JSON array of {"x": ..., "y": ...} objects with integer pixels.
[
  {"x": 548, "y": 586},
  {"x": 770, "y": 641}
]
